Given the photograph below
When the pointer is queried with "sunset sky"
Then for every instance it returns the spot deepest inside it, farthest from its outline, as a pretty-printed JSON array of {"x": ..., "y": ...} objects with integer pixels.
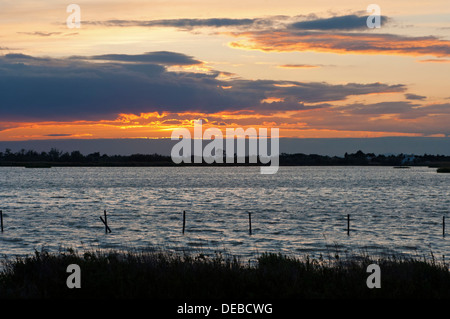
[{"x": 139, "y": 69}]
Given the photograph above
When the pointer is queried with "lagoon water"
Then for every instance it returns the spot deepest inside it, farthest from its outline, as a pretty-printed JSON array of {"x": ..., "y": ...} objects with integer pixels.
[{"x": 298, "y": 211}]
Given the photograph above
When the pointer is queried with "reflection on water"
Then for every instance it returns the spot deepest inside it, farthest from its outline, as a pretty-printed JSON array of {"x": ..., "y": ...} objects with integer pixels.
[{"x": 299, "y": 210}]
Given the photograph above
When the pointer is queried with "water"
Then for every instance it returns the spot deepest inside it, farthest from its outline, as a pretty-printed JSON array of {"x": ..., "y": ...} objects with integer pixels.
[{"x": 299, "y": 210}]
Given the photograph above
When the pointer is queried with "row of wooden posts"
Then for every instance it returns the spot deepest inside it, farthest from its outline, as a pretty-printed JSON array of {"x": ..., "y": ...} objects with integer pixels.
[
  {"x": 104, "y": 219},
  {"x": 108, "y": 230},
  {"x": 348, "y": 225}
]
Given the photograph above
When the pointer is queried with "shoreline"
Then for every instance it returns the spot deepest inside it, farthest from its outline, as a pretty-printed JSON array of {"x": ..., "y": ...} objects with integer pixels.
[
  {"x": 166, "y": 164},
  {"x": 76, "y": 159}
]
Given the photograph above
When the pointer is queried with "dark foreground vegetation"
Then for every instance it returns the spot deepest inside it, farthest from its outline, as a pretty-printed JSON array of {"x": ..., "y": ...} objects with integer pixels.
[
  {"x": 56, "y": 157},
  {"x": 163, "y": 275}
]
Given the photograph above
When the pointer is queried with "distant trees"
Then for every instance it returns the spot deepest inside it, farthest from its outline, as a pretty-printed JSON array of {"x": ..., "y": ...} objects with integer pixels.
[{"x": 76, "y": 158}]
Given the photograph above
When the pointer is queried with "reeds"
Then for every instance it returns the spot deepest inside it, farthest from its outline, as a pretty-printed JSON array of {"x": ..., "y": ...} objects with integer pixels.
[{"x": 166, "y": 275}]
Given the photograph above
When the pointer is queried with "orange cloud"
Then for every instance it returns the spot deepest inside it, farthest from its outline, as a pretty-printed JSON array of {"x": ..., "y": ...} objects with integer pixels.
[
  {"x": 341, "y": 42},
  {"x": 272, "y": 100},
  {"x": 352, "y": 120},
  {"x": 435, "y": 61}
]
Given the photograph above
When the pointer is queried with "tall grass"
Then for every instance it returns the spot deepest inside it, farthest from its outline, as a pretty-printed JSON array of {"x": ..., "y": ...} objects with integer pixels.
[{"x": 165, "y": 275}]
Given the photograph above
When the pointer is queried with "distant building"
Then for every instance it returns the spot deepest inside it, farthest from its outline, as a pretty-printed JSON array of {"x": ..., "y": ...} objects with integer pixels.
[{"x": 408, "y": 159}]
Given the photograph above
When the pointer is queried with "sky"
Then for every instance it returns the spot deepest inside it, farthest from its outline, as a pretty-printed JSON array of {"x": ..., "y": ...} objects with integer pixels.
[{"x": 140, "y": 69}]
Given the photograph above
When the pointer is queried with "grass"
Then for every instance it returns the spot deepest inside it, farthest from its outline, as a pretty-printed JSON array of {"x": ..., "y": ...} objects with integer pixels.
[{"x": 164, "y": 275}]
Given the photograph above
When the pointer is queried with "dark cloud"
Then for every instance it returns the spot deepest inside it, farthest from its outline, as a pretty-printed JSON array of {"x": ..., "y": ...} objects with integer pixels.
[
  {"x": 178, "y": 23},
  {"x": 394, "y": 107},
  {"x": 19, "y": 57},
  {"x": 158, "y": 57},
  {"x": 443, "y": 108},
  {"x": 303, "y": 22},
  {"x": 402, "y": 109},
  {"x": 410, "y": 96},
  {"x": 323, "y": 92},
  {"x": 71, "y": 89},
  {"x": 347, "y": 22}
]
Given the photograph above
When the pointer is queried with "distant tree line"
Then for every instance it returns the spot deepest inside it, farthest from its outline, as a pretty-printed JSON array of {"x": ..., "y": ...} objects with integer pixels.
[
  {"x": 361, "y": 158},
  {"x": 56, "y": 157},
  {"x": 76, "y": 158}
]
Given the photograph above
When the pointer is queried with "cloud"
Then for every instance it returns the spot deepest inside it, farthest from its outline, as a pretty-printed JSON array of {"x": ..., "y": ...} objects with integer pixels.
[
  {"x": 298, "y": 66},
  {"x": 347, "y": 22},
  {"x": 402, "y": 109},
  {"x": 341, "y": 42},
  {"x": 401, "y": 117},
  {"x": 40, "y": 33},
  {"x": 434, "y": 109},
  {"x": 187, "y": 24},
  {"x": 20, "y": 56},
  {"x": 93, "y": 88},
  {"x": 158, "y": 57},
  {"x": 410, "y": 96},
  {"x": 381, "y": 108},
  {"x": 435, "y": 61},
  {"x": 337, "y": 34},
  {"x": 302, "y": 22}
]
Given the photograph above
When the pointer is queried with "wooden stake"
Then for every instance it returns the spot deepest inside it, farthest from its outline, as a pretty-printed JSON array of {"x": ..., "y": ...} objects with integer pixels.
[
  {"x": 105, "y": 221},
  {"x": 1, "y": 219},
  {"x": 250, "y": 223},
  {"x": 443, "y": 226},
  {"x": 107, "y": 229},
  {"x": 348, "y": 224},
  {"x": 184, "y": 220}
]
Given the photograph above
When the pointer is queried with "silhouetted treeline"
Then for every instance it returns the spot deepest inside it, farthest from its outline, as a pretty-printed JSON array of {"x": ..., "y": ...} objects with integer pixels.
[
  {"x": 58, "y": 158},
  {"x": 360, "y": 158},
  {"x": 76, "y": 158}
]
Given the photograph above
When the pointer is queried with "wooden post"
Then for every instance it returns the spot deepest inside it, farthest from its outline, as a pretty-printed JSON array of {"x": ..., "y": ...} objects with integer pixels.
[
  {"x": 348, "y": 224},
  {"x": 105, "y": 221},
  {"x": 184, "y": 220},
  {"x": 443, "y": 226},
  {"x": 1, "y": 219},
  {"x": 250, "y": 223}
]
